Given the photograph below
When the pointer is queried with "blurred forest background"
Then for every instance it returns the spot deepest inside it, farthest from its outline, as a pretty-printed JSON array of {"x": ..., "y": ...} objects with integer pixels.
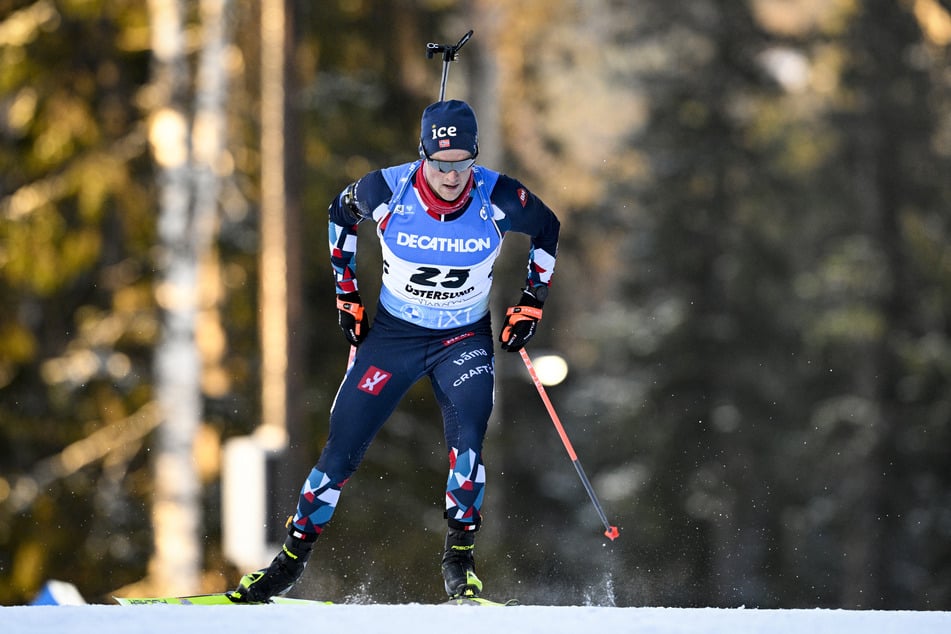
[{"x": 753, "y": 293}]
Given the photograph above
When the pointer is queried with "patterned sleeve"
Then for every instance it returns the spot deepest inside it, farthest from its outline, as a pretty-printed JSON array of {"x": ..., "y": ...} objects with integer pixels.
[
  {"x": 354, "y": 205},
  {"x": 524, "y": 212}
]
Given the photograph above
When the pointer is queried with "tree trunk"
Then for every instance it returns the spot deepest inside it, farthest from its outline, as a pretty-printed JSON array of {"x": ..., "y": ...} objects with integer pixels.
[
  {"x": 280, "y": 289},
  {"x": 187, "y": 159}
]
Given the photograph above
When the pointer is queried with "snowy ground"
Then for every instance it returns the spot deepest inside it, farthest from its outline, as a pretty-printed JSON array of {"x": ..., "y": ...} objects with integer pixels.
[{"x": 426, "y": 619}]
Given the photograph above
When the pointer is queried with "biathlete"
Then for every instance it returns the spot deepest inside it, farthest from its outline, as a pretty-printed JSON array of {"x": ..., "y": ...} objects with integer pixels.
[{"x": 441, "y": 221}]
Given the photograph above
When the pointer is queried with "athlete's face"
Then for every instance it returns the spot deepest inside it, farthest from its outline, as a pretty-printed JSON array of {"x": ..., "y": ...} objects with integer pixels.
[{"x": 448, "y": 184}]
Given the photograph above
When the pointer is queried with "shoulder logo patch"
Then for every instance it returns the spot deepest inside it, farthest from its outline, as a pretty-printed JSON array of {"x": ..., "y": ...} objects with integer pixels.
[{"x": 522, "y": 194}]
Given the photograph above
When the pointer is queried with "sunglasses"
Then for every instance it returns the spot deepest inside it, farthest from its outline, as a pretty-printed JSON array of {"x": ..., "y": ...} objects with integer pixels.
[{"x": 452, "y": 166}]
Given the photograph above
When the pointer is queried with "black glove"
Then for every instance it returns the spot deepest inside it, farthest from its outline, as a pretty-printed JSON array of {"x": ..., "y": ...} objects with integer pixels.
[
  {"x": 352, "y": 317},
  {"x": 521, "y": 320}
]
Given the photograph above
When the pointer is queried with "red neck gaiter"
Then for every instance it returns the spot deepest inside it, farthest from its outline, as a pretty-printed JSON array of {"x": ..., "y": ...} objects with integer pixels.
[{"x": 436, "y": 205}]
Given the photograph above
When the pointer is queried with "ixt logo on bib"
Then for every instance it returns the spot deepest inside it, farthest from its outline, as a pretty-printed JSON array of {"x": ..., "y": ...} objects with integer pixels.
[{"x": 373, "y": 380}]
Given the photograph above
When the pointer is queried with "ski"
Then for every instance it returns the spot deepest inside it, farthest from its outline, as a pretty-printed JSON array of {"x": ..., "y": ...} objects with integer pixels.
[
  {"x": 217, "y": 598},
  {"x": 480, "y": 601},
  {"x": 221, "y": 598}
]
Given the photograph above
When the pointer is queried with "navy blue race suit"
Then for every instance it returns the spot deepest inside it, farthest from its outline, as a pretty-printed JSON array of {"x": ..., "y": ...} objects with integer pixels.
[{"x": 432, "y": 320}]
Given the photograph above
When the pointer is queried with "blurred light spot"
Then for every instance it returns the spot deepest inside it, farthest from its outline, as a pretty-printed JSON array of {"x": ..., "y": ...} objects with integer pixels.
[
  {"x": 551, "y": 369},
  {"x": 935, "y": 21},
  {"x": 118, "y": 365},
  {"x": 788, "y": 66},
  {"x": 168, "y": 137}
]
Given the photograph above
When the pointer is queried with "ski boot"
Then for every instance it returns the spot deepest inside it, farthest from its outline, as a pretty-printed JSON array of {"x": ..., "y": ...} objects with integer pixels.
[
  {"x": 279, "y": 577},
  {"x": 458, "y": 565}
]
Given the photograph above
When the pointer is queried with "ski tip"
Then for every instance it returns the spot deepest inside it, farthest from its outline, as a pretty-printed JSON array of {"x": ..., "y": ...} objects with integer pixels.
[{"x": 612, "y": 533}]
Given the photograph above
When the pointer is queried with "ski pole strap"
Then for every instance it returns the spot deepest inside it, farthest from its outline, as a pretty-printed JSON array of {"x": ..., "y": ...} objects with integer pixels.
[
  {"x": 352, "y": 308},
  {"x": 516, "y": 314}
]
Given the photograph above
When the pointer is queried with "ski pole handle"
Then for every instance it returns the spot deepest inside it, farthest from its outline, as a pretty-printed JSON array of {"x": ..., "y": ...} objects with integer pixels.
[{"x": 611, "y": 532}]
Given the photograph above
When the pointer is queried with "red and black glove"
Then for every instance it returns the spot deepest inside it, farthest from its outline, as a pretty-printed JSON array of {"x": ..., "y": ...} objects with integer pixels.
[
  {"x": 352, "y": 317},
  {"x": 521, "y": 320}
]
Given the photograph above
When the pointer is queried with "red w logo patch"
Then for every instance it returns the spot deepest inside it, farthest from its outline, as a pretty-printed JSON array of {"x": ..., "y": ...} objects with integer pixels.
[{"x": 373, "y": 380}]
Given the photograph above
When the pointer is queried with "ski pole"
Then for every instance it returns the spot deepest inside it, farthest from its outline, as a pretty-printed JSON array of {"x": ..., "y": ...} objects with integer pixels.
[
  {"x": 449, "y": 52},
  {"x": 611, "y": 532}
]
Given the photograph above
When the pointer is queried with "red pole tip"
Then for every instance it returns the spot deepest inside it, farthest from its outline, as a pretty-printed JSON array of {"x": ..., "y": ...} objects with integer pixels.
[{"x": 612, "y": 533}]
